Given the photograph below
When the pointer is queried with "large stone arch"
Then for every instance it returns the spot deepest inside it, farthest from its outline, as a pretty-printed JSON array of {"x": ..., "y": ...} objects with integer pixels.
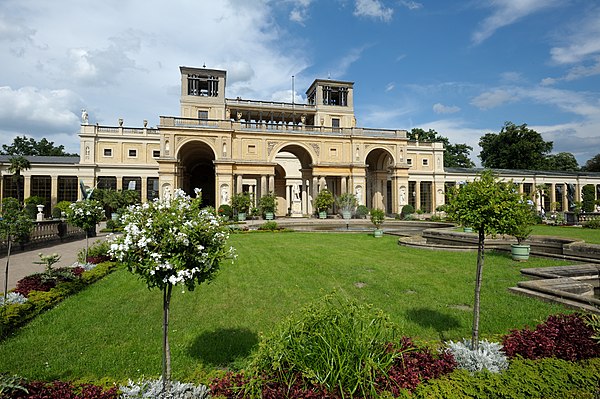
[
  {"x": 293, "y": 177},
  {"x": 196, "y": 169},
  {"x": 379, "y": 165}
]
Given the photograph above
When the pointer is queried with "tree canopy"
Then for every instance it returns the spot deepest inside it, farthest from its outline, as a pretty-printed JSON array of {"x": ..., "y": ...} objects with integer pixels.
[
  {"x": 456, "y": 155},
  {"x": 29, "y": 146},
  {"x": 515, "y": 147},
  {"x": 564, "y": 161},
  {"x": 592, "y": 165}
]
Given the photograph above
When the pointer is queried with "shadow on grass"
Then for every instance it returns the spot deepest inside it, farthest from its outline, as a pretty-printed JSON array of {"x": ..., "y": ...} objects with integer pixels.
[
  {"x": 223, "y": 346},
  {"x": 428, "y": 318}
]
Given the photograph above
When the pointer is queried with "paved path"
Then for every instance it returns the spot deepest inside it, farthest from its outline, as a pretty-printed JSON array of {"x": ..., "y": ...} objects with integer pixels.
[{"x": 21, "y": 263}]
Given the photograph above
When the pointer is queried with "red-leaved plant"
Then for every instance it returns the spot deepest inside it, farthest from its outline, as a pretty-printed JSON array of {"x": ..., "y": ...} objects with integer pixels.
[
  {"x": 63, "y": 390},
  {"x": 564, "y": 337}
]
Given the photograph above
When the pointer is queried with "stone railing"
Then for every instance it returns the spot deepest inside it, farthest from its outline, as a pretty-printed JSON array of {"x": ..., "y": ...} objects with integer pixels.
[{"x": 47, "y": 232}]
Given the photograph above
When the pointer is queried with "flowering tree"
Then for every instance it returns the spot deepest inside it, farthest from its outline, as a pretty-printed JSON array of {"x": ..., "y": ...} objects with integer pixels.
[
  {"x": 14, "y": 225},
  {"x": 170, "y": 242},
  {"x": 85, "y": 214}
]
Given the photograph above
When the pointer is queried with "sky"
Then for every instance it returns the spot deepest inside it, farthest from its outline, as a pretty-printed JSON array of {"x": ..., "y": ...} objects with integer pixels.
[{"x": 462, "y": 68}]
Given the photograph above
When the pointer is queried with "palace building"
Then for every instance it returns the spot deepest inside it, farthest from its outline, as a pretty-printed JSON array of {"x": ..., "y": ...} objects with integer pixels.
[{"x": 231, "y": 145}]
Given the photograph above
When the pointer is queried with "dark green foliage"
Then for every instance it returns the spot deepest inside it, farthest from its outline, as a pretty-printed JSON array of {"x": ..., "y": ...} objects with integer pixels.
[
  {"x": 268, "y": 203},
  {"x": 593, "y": 224},
  {"x": 515, "y": 147},
  {"x": 588, "y": 194},
  {"x": 540, "y": 379},
  {"x": 225, "y": 210},
  {"x": 324, "y": 200},
  {"x": 592, "y": 165},
  {"x": 455, "y": 156},
  {"x": 241, "y": 202},
  {"x": 270, "y": 226},
  {"x": 564, "y": 161},
  {"x": 408, "y": 210},
  {"x": 362, "y": 211},
  {"x": 29, "y": 146}
]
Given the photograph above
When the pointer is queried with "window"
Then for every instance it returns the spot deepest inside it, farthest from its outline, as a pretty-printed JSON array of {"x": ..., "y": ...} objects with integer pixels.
[
  {"x": 202, "y": 114},
  {"x": 425, "y": 162},
  {"x": 412, "y": 194},
  {"x": 333, "y": 152},
  {"x": 151, "y": 188},
  {"x": 9, "y": 187},
  {"x": 107, "y": 152},
  {"x": 409, "y": 161},
  {"x": 204, "y": 86},
  {"x": 107, "y": 182},
  {"x": 335, "y": 95},
  {"x": 132, "y": 153},
  {"x": 133, "y": 184},
  {"x": 425, "y": 194},
  {"x": 251, "y": 149},
  {"x": 41, "y": 186},
  {"x": 67, "y": 188},
  {"x": 335, "y": 123},
  {"x": 155, "y": 153}
]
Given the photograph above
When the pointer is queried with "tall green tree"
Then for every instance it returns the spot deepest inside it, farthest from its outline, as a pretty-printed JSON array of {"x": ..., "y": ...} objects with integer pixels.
[
  {"x": 29, "y": 146},
  {"x": 592, "y": 165},
  {"x": 490, "y": 206},
  {"x": 455, "y": 156},
  {"x": 564, "y": 161},
  {"x": 16, "y": 165},
  {"x": 515, "y": 147}
]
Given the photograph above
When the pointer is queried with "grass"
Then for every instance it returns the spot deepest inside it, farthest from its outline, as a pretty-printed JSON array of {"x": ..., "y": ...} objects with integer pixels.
[
  {"x": 591, "y": 236},
  {"x": 112, "y": 329}
]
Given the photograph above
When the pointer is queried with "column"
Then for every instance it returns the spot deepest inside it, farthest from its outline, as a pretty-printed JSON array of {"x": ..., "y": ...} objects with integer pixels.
[
  {"x": 417, "y": 195},
  {"x": 552, "y": 195},
  {"x": 238, "y": 185},
  {"x": 288, "y": 198},
  {"x": 304, "y": 196},
  {"x": 344, "y": 188},
  {"x": 263, "y": 185},
  {"x": 53, "y": 191},
  {"x": 272, "y": 183},
  {"x": 565, "y": 201}
]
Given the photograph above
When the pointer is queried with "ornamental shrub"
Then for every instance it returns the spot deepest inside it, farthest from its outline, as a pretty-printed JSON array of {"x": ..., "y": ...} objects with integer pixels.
[
  {"x": 593, "y": 224},
  {"x": 13, "y": 298},
  {"x": 153, "y": 388},
  {"x": 362, "y": 211},
  {"x": 334, "y": 344},
  {"x": 488, "y": 356},
  {"x": 407, "y": 210},
  {"x": 270, "y": 226},
  {"x": 561, "y": 336}
]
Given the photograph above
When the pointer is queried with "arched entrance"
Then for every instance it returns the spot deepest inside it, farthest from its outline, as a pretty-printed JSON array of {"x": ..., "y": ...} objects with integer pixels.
[
  {"x": 379, "y": 180},
  {"x": 197, "y": 170},
  {"x": 293, "y": 177}
]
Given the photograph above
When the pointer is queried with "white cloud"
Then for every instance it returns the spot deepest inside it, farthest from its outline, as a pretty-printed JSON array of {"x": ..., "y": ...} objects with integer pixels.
[
  {"x": 299, "y": 12},
  {"x": 583, "y": 41},
  {"x": 373, "y": 9},
  {"x": 493, "y": 98},
  {"x": 507, "y": 12},
  {"x": 14, "y": 29},
  {"x": 411, "y": 5},
  {"x": 445, "y": 109},
  {"x": 390, "y": 86}
]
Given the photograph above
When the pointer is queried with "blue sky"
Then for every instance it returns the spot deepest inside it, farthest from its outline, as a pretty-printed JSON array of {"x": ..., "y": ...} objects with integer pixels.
[{"x": 462, "y": 68}]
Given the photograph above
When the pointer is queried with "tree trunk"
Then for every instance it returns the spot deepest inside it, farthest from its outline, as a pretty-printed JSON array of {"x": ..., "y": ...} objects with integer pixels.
[
  {"x": 478, "y": 278},
  {"x": 6, "y": 270},
  {"x": 86, "y": 246},
  {"x": 166, "y": 367}
]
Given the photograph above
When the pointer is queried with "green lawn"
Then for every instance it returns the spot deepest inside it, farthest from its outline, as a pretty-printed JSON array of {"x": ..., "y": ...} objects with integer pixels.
[
  {"x": 113, "y": 328},
  {"x": 591, "y": 236}
]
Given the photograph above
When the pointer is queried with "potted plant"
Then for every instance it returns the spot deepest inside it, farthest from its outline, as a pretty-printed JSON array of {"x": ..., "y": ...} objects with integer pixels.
[
  {"x": 240, "y": 202},
  {"x": 377, "y": 218},
  {"x": 522, "y": 220},
  {"x": 323, "y": 202},
  {"x": 225, "y": 211},
  {"x": 268, "y": 205},
  {"x": 347, "y": 203}
]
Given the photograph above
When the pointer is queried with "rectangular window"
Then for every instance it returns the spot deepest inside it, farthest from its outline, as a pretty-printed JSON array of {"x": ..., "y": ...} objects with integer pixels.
[
  {"x": 409, "y": 161},
  {"x": 251, "y": 149},
  {"x": 133, "y": 184},
  {"x": 527, "y": 188},
  {"x": 155, "y": 153},
  {"x": 204, "y": 86},
  {"x": 107, "y": 152},
  {"x": 41, "y": 186},
  {"x": 67, "y": 188},
  {"x": 425, "y": 162},
  {"x": 333, "y": 152},
  {"x": 107, "y": 182},
  {"x": 412, "y": 194},
  {"x": 132, "y": 153},
  {"x": 9, "y": 187},
  {"x": 425, "y": 194},
  {"x": 448, "y": 186},
  {"x": 151, "y": 188}
]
